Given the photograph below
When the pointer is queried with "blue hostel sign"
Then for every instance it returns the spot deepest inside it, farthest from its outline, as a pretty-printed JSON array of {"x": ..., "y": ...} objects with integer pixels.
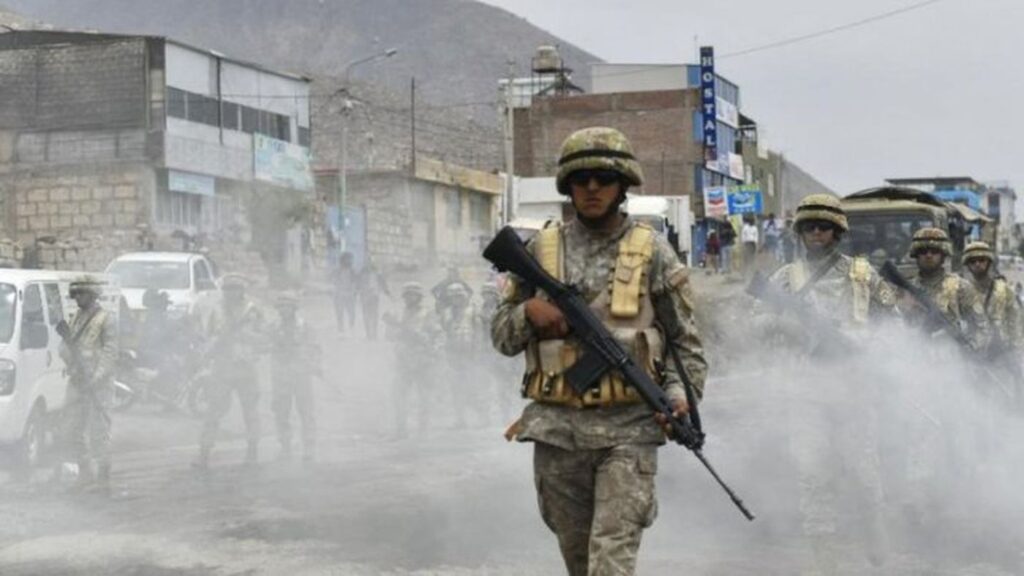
[{"x": 708, "y": 104}]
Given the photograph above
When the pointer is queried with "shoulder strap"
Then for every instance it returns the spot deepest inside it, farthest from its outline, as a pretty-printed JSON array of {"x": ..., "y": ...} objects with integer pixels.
[
  {"x": 549, "y": 250},
  {"x": 819, "y": 272}
]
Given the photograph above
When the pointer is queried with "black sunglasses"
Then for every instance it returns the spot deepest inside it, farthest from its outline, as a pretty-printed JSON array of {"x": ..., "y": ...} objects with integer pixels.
[
  {"x": 603, "y": 177},
  {"x": 817, "y": 226}
]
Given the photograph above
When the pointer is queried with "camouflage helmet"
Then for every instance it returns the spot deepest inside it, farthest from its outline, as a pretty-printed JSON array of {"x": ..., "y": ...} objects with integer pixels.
[
  {"x": 457, "y": 292},
  {"x": 821, "y": 207},
  {"x": 412, "y": 289},
  {"x": 86, "y": 283},
  {"x": 930, "y": 238},
  {"x": 489, "y": 291},
  {"x": 978, "y": 250},
  {"x": 597, "y": 148}
]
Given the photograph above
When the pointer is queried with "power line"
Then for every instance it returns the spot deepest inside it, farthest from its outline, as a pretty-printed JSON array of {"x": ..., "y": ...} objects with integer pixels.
[{"x": 831, "y": 30}]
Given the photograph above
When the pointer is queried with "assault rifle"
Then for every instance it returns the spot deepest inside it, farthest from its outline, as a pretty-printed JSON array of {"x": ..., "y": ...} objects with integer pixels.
[
  {"x": 935, "y": 317},
  {"x": 825, "y": 333},
  {"x": 603, "y": 353}
]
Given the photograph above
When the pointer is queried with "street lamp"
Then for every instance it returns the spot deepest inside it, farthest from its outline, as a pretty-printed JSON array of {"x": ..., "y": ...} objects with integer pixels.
[{"x": 346, "y": 107}]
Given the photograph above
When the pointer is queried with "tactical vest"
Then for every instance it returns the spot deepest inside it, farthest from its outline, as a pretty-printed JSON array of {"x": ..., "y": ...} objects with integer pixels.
[
  {"x": 946, "y": 299},
  {"x": 625, "y": 308},
  {"x": 860, "y": 281}
]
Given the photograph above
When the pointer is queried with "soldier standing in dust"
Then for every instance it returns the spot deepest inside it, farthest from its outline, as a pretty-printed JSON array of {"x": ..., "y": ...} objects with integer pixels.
[
  {"x": 846, "y": 293},
  {"x": 954, "y": 296},
  {"x": 346, "y": 290},
  {"x": 234, "y": 335},
  {"x": 595, "y": 456},
  {"x": 295, "y": 361},
  {"x": 416, "y": 345},
  {"x": 89, "y": 349},
  {"x": 1001, "y": 308},
  {"x": 457, "y": 320}
]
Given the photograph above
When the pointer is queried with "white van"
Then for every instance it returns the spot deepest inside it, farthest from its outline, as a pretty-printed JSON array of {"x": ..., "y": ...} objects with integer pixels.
[{"x": 33, "y": 379}]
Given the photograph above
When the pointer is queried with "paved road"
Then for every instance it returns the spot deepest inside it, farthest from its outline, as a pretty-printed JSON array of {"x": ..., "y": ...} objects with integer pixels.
[{"x": 453, "y": 502}]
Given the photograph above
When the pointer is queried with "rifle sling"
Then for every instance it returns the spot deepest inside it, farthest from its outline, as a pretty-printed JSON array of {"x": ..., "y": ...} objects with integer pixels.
[{"x": 818, "y": 274}]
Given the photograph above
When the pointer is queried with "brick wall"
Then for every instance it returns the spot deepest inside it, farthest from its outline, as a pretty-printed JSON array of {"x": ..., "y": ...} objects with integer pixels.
[
  {"x": 659, "y": 125},
  {"x": 79, "y": 218}
]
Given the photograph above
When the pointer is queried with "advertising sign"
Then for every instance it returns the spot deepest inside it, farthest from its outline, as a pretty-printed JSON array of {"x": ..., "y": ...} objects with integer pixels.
[
  {"x": 715, "y": 204},
  {"x": 727, "y": 113},
  {"x": 281, "y": 163},
  {"x": 736, "y": 166},
  {"x": 745, "y": 200},
  {"x": 708, "y": 103}
]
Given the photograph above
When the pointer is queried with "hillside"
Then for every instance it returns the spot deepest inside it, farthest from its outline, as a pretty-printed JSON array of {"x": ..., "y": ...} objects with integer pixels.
[{"x": 456, "y": 49}]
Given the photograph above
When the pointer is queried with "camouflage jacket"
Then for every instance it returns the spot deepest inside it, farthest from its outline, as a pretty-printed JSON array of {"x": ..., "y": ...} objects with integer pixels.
[
  {"x": 841, "y": 295},
  {"x": 959, "y": 302},
  {"x": 589, "y": 262},
  {"x": 294, "y": 350},
  {"x": 93, "y": 333},
  {"x": 1003, "y": 312},
  {"x": 235, "y": 338},
  {"x": 417, "y": 335},
  {"x": 459, "y": 329}
]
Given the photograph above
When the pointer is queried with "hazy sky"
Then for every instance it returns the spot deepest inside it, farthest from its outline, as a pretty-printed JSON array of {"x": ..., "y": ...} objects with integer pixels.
[{"x": 934, "y": 91}]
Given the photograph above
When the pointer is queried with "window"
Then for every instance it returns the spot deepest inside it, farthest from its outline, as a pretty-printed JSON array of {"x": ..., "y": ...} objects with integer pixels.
[
  {"x": 54, "y": 304},
  {"x": 178, "y": 208},
  {"x": 453, "y": 208},
  {"x": 175, "y": 103},
  {"x": 34, "y": 334},
  {"x": 230, "y": 115},
  {"x": 305, "y": 136},
  {"x": 480, "y": 211},
  {"x": 8, "y": 309},
  {"x": 250, "y": 119},
  {"x": 274, "y": 125},
  {"x": 202, "y": 109},
  {"x": 202, "y": 277}
]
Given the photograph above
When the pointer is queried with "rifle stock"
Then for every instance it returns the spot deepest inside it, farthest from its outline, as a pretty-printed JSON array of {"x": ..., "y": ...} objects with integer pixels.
[{"x": 602, "y": 352}]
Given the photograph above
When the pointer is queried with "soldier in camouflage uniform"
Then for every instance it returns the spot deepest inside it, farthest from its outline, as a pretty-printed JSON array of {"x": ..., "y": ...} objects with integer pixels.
[
  {"x": 295, "y": 361},
  {"x": 498, "y": 370},
  {"x": 457, "y": 321},
  {"x": 89, "y": 349},
  {"x": 234, "y": 334},
  {"x": 952, "y": 294},
  {"x": 416, "y": 337},
  {"x": 1000, "y": 303},
  {"x": 848, "y": 294},
  {"x": 595, "y": 456}
]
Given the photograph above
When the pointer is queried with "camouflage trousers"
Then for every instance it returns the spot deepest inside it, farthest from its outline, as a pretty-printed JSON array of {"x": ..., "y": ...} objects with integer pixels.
[
  {"x": 87, "y": 427},
  {"x": 219, "y": 392},
  {"x": 597, "y": 502},
  {"x": 292, "y": 390}
]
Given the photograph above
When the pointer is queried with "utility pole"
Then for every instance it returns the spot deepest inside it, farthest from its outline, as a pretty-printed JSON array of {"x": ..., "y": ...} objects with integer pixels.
[
  {"x": 509, "y": 204},
  {"x": 412, "y": 108}
]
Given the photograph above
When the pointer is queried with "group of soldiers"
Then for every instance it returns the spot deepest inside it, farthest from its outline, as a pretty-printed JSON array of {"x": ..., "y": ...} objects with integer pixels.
[
  {"x": 453, "y": 329},
  {"x": 229, "y": 344},
  {"x": 595, "y": 453}
]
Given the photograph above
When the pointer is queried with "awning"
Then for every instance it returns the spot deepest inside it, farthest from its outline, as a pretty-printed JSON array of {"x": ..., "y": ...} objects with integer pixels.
[{"x": 970, "y": 214}]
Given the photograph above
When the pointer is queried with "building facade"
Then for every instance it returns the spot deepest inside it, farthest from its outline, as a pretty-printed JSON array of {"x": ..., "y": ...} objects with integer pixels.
[{"x": 110, "y": 143}]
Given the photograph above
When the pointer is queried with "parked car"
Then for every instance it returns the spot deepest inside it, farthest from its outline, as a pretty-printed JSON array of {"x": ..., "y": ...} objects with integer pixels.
[
  {"x": 189, "y": 279},
  {"x": 33, "y": 378}
]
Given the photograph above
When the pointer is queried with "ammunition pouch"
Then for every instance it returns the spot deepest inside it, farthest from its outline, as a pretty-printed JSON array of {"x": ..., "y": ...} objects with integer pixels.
[{"x": 548, "y": 360}]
